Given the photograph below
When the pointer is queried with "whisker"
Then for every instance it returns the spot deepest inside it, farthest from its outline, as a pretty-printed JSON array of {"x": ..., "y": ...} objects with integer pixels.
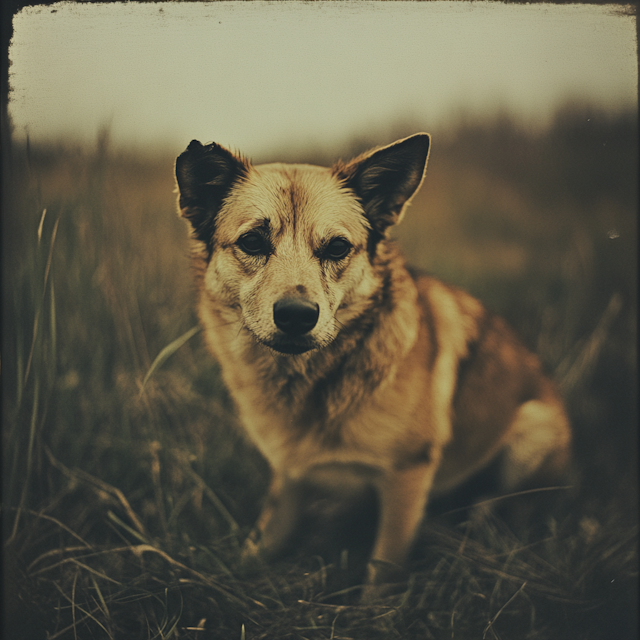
[{"x": 341, "y": 324}]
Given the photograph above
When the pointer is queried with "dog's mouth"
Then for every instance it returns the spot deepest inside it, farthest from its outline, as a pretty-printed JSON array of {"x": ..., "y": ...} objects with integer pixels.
[{"x": 291, "y": 347}]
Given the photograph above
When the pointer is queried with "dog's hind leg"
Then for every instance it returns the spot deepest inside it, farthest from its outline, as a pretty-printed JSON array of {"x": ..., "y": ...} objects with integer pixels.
[
  {"x": 536, "y": 460},
  {"x": 538, "y": 449}
]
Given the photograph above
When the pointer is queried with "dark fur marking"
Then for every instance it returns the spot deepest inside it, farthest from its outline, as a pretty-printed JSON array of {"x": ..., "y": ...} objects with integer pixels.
[
  {"x": 489, "y": 328},
  {"x": 294, "y": 206},
  {"x": 291, "y": 201},
  {"x": 324, "y": 279},
  {"x": 384, "y": 298},
  {"x": 338, "y": 268},
  {"x": 264, "y": 224},
  {"x": 335, "y": 268},
  {"x": 466, "y": 364},
  {"x": 416, "y": 458},
  {"x": 247, "y": 264},
  {"x": 427, "y": 313}
]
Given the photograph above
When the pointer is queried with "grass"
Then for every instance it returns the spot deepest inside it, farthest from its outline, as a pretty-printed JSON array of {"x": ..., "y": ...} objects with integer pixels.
[{"x": 128, "y": 488}]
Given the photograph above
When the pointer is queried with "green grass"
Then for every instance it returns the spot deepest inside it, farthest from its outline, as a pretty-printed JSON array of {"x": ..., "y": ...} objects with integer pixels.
[{"x": 128, "y": 488}]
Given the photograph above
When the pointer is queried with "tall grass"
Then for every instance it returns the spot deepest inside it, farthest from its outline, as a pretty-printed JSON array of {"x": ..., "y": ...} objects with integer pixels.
[{"x": 128, "y": 488}]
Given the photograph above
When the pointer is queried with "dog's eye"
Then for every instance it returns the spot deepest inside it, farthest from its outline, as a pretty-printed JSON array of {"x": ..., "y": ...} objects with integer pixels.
[
  {"x": 337, "y": 249},
  {"x": 253, "y": 243}
]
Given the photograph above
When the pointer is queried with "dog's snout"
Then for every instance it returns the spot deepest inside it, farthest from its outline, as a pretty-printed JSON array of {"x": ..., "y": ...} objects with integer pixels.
[{"x": 295, "y": 316}]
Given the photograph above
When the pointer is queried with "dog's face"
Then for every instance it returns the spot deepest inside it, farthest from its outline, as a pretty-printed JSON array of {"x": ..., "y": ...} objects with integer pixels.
[{"x": 291, "y": 249}]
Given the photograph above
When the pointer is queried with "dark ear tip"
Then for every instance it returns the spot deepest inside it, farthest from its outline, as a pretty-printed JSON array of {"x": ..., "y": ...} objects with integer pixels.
[
  {"x": 194, "y": 145},
  {"x": 422, "y": 137}
]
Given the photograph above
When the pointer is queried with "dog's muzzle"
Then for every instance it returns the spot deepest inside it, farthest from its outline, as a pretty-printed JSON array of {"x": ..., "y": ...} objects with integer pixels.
[{"x": 294, "y": 317}]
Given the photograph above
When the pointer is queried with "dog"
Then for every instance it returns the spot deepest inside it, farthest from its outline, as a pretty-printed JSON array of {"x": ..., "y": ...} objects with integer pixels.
[{"x": 341, "y": 361}]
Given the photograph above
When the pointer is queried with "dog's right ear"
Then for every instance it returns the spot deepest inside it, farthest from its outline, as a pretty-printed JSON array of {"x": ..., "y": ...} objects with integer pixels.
[{"x": 205, "y": 174}]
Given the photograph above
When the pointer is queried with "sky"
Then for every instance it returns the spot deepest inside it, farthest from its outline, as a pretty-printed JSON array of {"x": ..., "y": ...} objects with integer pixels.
[{"x": 254, "y": 75}]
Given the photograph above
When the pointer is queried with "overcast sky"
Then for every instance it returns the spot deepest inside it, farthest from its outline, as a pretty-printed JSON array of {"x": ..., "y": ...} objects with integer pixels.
[{"x": 257, "y": 74}]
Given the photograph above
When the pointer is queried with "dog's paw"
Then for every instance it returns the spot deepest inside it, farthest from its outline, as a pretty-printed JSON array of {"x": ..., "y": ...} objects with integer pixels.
[
  {"x": 383, "y": 579},
  {"x": 251, "y": 550}
]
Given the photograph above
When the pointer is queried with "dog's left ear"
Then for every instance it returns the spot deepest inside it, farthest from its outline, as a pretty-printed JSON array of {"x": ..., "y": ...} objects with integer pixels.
[{"x": 386, "y": 179}]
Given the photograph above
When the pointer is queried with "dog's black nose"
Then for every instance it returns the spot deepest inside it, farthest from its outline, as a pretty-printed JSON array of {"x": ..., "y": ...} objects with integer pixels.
[{"x": 295, "y": 316}]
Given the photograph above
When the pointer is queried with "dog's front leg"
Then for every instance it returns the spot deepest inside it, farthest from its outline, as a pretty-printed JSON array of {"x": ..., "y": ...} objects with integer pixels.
[
  {"x": 403, "y": 497},
  {"x": 278, "y": 521}
]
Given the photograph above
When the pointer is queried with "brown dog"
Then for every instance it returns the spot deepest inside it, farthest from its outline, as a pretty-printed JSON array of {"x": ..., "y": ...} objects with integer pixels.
[{"x": 337, "y": 357}]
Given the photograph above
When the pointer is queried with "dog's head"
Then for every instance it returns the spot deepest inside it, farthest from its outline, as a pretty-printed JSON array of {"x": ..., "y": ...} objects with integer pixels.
[{"x": 292, "y": 248}]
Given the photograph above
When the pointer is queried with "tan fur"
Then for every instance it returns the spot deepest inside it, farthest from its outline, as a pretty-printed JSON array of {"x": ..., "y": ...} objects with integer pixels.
[{"x": 408, "y": 380}]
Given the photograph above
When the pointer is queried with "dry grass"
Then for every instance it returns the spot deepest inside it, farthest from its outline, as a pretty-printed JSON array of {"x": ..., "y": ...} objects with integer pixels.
[{"x": 124, "y": 507}]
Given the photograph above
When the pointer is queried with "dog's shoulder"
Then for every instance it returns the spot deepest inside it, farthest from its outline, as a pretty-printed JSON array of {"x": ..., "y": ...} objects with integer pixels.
[{"x": 454, "y": 317}]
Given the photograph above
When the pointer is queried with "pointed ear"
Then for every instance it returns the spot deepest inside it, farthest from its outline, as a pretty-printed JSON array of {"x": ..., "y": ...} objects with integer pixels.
[
  {"x": 386, "y": 179},
  {"x": 205, "y": 174}
]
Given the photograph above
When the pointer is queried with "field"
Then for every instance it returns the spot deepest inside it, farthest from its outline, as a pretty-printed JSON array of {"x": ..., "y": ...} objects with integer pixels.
[{"x": 127, "y": 496}]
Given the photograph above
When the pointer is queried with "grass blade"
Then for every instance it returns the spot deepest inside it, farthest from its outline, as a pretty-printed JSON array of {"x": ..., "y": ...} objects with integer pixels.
[{"x": 168, "y": 351}]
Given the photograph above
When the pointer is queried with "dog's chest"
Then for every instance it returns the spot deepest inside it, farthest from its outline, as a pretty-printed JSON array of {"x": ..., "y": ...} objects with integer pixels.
[{"x": 375, "y": 429}]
